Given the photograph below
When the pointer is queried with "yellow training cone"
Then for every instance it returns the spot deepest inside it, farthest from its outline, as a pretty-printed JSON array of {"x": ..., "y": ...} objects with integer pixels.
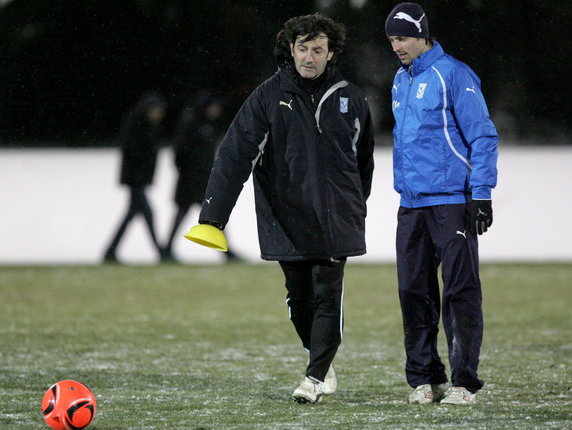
[{"x": 208, "y": 235}]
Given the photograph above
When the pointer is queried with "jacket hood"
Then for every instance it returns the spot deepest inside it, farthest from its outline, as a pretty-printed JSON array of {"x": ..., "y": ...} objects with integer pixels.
[{"x": 282, "y": 57}]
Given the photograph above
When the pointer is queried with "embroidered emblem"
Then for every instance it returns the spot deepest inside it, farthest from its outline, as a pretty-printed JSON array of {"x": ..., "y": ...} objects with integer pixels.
[
  {"x": 421, "y": 91},
  {"x": 343, "y": 104},
  {"x": 406, "y": 17},
  {"x": 286, "y": 104}
]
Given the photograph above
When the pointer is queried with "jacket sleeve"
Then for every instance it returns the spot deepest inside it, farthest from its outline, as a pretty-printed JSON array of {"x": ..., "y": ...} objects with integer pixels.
[
  {"x": 365, "y": 146},
  {"x": 236, "y": 158},
  {"x": 478, "y": 130}
]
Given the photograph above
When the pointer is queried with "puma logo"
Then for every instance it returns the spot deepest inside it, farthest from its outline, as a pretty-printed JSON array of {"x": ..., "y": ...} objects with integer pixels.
[
  {"x": 472, "y": 90},
  {"x": 462, "y": 233},
  {"x": 481, "y": 213},
  {"x": 406, "y": 17},
  {"x": 395, "y": 87},
  {"x": 208, "y": 200},
  {"x": 286, "y": 104}
]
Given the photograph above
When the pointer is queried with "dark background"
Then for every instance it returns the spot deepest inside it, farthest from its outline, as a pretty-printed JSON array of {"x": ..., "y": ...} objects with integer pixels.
[{"x": 70, "y": 69}]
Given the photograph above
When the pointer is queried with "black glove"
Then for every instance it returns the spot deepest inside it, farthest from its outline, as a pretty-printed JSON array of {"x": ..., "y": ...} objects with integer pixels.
[
  {"x": 480, "y": 216},
  {"x": 216, "y": 224}
]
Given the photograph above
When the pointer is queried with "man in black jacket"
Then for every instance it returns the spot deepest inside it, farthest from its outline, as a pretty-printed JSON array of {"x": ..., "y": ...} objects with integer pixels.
[{"x": 306, "y": 134}]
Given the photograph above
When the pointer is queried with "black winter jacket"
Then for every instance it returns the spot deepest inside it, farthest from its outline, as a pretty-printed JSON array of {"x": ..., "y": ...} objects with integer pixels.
[
  {"x": 139, "y": 146},
  {"x": 195, "y": 147},
  {"x": 312, "y": 170}
]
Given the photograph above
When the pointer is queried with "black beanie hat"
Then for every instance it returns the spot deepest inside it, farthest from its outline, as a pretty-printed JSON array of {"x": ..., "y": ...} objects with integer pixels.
[{"x": 407, "y": 19}]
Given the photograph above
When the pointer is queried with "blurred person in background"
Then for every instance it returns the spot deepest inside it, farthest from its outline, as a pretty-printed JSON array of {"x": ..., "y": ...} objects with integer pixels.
[
  {"x": 139, "y": 146},
  {"x": 198, "y": 135},
  {"x": 306, "y": 135},
  {"x": 444, "y": 161}
]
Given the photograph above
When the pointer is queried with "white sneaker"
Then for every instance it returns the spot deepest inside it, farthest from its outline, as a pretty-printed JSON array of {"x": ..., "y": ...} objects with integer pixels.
[
  {"x": 309, "y": 391},
  {"x": 330, "y": 381},
  {"x": 459, "y": 396},
  {"x": 427, "y": 393}
]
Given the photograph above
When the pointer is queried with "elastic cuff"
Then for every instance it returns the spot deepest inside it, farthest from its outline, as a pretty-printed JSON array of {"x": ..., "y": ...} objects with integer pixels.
[
  {"x": 482, "y": 193},
  {"x": 216, "y": 224}
]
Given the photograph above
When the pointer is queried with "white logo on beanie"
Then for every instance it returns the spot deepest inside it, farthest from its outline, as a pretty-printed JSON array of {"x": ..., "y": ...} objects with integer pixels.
[{"x": 406, "y": 17}]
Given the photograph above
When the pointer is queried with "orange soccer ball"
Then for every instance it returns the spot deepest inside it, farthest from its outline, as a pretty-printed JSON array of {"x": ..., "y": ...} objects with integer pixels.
[{"x": 68, "y": 405}]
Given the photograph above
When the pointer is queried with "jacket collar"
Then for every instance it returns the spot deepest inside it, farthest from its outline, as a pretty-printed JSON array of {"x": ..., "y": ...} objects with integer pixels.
[{"x": 425, "y": 60}]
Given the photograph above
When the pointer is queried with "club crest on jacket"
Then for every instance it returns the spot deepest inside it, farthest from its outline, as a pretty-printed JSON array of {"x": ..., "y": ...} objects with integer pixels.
[{"x": 343, "y": 104}]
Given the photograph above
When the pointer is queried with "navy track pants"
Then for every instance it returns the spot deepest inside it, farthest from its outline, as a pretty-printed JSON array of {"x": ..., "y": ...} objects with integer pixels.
[
  {"x": 426, "y": 238},
  {"x": 315, "y": 302}
]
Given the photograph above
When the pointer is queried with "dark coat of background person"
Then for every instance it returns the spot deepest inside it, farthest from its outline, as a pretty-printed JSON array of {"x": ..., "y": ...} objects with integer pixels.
[
  {"x": 139, "y": 146},
  {"x": 196, "y": 140},
  {"x": 197, "y": 137}
]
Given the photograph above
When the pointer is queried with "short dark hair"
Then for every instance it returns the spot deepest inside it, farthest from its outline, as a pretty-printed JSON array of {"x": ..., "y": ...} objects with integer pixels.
[{"x": 312, "y": 26}]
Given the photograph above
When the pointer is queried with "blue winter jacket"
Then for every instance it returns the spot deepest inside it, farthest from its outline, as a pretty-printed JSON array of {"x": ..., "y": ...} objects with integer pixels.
[{"x": 445, "y": 144}]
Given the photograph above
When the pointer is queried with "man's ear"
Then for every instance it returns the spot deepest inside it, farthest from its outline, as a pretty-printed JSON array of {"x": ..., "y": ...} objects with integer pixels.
[{"x": 330, "y": 55}]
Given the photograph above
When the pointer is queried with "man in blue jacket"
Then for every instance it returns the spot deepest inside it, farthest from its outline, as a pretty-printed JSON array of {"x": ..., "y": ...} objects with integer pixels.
[
  {"x": 444, "y": 158},
  {"x": 306, "y": 136}
]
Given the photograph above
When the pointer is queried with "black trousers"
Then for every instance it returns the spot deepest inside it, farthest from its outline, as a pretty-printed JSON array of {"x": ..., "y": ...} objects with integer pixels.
[
  {"x": 315, "y": 302},
  {"x": 426, "y": 238},
  {"x": 138, "y": 204}
]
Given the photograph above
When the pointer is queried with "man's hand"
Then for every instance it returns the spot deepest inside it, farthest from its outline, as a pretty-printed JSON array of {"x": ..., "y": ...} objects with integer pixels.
[{"x": 480, "y": 216}]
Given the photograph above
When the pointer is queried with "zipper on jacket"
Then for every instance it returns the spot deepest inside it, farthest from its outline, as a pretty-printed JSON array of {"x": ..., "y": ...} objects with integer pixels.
[
  {"x": 319, "y": 158},
  {"x": 405, "y": 110},
  {"x": 405, "y": 107},
  {"x": 313, "y": 102}
]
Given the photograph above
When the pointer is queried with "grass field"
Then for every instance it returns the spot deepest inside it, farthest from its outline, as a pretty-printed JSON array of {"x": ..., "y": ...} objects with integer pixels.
[{"x": 211, "y": 347}]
